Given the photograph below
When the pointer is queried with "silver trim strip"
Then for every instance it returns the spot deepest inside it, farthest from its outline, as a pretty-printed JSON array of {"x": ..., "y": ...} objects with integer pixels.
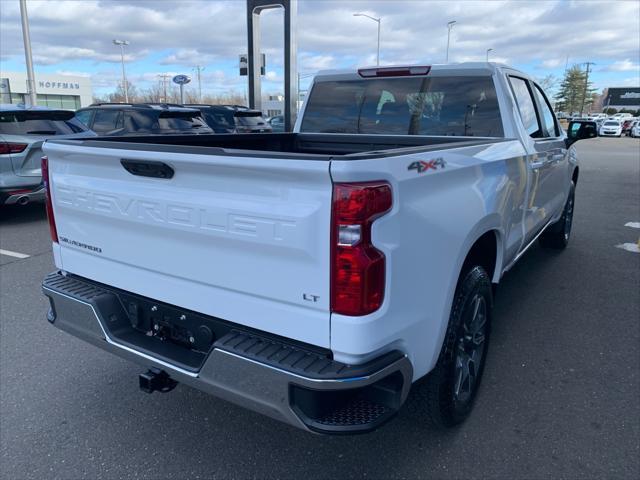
[
  {"x": 391, "y": 366},
  {"x": 524, "y": 250}
]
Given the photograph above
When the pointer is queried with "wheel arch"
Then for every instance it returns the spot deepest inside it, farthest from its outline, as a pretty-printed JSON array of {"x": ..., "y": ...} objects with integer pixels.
[{"x": 484, "y": 246}]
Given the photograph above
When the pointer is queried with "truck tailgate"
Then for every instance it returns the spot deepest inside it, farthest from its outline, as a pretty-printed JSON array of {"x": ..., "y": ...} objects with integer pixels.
[{"x": 242, "y": 238}]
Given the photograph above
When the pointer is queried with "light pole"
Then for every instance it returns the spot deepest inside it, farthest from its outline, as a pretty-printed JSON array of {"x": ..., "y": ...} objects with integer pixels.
[
  {"x": 449, "y": 27},
  {"x": 31, "y": 81},
  {"x": 489, "y": 50},
  {"x": 586, "y": 86},
  {"x": 377, "y": 20},
  {"x": 163, "y": 77},
  {"x": 301, "y": 76},
  {"x": 199, "y": 69},
  {"x": 122, "y": 44}
]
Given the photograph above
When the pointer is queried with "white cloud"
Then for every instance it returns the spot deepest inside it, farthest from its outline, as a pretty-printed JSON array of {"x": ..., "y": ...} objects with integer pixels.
[
  {"x": 625, "y": 65},
  {"x": 73, "y": 73},
  {"x": 552, "y": 63},
  {"x": 178, "y": 33}
]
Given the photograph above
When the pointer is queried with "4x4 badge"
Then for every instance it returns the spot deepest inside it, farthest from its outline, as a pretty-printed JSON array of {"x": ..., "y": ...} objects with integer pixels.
[{"x": 424, "y": 165}]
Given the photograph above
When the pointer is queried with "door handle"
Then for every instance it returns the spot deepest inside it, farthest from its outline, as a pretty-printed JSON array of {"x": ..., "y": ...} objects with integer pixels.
[
  {"x": 147, "y": 168},
  {"x": 539, "y": 165}
]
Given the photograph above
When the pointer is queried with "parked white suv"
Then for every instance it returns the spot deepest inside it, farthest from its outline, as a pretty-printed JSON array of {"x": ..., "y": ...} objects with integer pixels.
[{"x": 316, "y": 276}]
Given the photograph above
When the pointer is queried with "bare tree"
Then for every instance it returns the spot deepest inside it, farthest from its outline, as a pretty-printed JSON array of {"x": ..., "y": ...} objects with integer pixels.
[
  {"x": 119, "y": 97},
  {"x": 548, "y": 83}
]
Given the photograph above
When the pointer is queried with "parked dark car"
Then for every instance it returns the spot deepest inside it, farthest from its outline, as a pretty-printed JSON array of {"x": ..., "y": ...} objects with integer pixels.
[
  {"x": 142, "y": 119},
  {"x": 277, "y": 123},
  {"x": 627, "y": 124},
  {"x": 233, "y": 118}
]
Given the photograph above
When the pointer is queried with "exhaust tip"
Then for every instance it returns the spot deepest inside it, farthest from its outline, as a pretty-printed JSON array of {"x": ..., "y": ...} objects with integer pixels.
[{"x": 23, "y": 200}]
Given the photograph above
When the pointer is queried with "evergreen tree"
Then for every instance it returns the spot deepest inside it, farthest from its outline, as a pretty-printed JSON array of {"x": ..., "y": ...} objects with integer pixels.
[{"x": 574, "y": 94}]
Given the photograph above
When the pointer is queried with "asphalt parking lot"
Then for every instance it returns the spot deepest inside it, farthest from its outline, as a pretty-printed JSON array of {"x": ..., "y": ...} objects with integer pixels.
[{"x": 560, "y": 396}]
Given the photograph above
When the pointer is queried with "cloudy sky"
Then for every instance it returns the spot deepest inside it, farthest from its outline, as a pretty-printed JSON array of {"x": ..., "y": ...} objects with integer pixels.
[{"x": 171, "y": 36}]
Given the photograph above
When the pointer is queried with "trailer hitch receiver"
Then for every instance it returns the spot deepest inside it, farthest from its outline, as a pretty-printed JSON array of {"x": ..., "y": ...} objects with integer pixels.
[{"x": 156, "y": 380}]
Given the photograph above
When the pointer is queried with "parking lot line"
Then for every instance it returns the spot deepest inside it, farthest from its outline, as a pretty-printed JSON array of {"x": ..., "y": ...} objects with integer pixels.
[{"x": 9, "y": 253}]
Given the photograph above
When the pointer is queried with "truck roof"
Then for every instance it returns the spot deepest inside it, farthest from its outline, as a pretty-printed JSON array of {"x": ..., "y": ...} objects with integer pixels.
[{"x": 465, "y": 68}]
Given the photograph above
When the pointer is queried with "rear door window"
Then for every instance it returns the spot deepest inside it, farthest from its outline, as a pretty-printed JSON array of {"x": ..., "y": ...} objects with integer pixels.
[
  {"x": 107, "y": 120},
  {"x": 84, "y": 116},
  {"x": 548, "y": 119},
  {"x": 58, "y": 122},
  {"x": 457, "y": 106},
  {"x": 526, "y": 106},
  {"x": 220, "y": 119},
  {"x": 249, "y": 119},
  {"x": 180, "y": 121}
]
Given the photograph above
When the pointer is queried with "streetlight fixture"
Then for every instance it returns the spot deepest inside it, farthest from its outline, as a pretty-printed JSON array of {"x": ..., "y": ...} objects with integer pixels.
[
  {"x": 489, "y": 50},
  {"x": 122, "y": 44},
  {"x": 449, "y": 27},
  {"x": 377, "y": 20}
]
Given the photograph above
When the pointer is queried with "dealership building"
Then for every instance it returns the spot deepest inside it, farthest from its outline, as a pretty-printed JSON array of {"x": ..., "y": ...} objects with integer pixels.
[
  {"x": 69, "y": 92},
  {"x": 622, "y": 98}
]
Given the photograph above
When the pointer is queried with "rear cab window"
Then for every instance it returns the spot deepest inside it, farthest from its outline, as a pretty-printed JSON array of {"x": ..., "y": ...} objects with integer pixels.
[
  {"x": 40, "y": 122},
  {"x": 438, "y": 105}
]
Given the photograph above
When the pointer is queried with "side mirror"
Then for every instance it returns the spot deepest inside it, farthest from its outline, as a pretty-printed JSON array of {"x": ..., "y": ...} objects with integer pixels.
[{"x": 581, "y": 131}]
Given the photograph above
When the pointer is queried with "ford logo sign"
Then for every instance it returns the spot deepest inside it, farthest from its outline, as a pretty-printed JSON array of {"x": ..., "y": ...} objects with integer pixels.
[{"x": 181, "y": 79}]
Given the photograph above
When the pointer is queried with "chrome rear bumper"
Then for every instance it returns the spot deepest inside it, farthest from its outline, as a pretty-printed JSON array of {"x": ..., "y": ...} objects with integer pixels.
[{"x": 283, "y": 380}]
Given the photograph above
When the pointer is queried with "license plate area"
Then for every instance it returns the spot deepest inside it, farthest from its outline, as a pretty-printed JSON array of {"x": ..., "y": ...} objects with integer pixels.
[{"x": 178, "y": 336}]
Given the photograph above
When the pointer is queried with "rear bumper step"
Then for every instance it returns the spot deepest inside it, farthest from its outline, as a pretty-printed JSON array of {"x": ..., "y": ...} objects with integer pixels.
[{"x": 296, "y": 383}]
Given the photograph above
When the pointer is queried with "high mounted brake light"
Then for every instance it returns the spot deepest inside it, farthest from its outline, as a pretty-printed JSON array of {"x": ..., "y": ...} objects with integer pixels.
[
  {"x": 358, "y": 268},
  {"x": 394, "y": 71},
  {"x": 49, "y": 205}
]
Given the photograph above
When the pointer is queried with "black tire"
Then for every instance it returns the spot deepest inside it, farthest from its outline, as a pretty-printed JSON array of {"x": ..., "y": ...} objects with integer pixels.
[
  {"x": 557, "y": 235},
  {"x": 446, "y": 394}
]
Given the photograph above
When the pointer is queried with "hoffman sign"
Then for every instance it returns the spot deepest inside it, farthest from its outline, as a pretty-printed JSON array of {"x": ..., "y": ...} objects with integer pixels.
[{"x": 62, "y": 85}]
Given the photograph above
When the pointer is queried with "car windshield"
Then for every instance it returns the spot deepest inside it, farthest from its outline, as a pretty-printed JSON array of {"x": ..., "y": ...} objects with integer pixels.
[
  {"x": 611, "y": 124},
  {"x": 40, "y": 122},
  {"x": 405, "y": 106}
]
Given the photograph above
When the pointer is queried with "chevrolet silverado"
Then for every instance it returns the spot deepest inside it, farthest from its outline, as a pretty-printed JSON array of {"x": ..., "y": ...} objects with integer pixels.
[{"x": 316, "y": 276}]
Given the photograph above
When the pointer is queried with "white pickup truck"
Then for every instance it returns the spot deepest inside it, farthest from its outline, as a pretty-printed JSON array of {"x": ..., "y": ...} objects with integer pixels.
[{"x": 315, "y": 276}]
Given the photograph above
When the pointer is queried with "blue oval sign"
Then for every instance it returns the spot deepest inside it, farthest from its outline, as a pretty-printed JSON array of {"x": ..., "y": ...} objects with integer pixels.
[{"x": 181, "y": 79}]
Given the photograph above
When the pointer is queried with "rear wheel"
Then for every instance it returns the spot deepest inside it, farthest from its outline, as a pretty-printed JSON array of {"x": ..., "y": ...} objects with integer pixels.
[
  {"x": 449, "y": 390},
  {"x": 557, "y": 235}
]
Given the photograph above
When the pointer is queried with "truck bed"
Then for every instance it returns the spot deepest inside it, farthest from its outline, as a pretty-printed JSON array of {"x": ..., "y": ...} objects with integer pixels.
[{"x": 307, "y": 146}]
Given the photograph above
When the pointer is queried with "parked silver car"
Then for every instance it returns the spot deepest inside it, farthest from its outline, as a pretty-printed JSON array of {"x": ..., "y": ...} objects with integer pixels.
[{"x": 22, "y": 131}]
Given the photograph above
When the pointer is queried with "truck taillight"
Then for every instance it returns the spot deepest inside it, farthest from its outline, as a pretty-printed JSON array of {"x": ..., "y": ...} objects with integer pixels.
[
  {"x": 357, "y": 267},
  {"x": 10, "y": 147},
  {"x": 49, "y": 204}
]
